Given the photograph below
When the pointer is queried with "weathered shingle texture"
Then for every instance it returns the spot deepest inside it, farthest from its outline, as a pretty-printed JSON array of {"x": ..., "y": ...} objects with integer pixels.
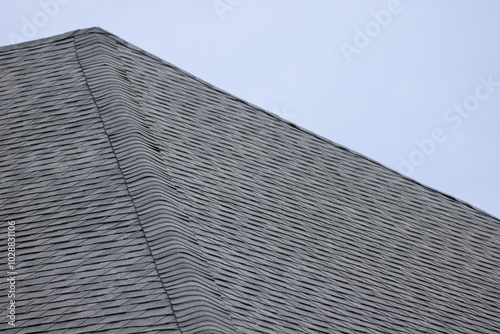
[{"x": 148, "y": 201}]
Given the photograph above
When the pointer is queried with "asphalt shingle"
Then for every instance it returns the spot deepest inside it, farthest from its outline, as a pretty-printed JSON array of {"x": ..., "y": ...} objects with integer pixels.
[{"x": 147, "y": 200}]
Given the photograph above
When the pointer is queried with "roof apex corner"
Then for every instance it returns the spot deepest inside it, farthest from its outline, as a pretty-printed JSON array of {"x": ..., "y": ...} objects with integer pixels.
[{"x": 94, "y": 30}]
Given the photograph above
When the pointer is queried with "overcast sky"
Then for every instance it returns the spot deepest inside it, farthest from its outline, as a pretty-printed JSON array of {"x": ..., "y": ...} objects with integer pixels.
[{"x": 414, "y": 85}]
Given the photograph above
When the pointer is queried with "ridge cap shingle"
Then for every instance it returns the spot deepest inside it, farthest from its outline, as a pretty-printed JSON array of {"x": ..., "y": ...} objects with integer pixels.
[{"x": 130, "y": 134}]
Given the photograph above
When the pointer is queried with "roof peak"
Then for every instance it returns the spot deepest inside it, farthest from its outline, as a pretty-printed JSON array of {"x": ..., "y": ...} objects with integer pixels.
[
  {"x": 98, "y": 31},
  {"x": 146, "y": 199}
]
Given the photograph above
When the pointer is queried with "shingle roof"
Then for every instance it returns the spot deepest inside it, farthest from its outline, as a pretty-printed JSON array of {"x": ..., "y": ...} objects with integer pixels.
[{"x": 148, "y": 201}]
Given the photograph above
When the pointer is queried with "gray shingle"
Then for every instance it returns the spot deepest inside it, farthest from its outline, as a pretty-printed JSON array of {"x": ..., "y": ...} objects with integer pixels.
[{"x": 149, "y": 201}]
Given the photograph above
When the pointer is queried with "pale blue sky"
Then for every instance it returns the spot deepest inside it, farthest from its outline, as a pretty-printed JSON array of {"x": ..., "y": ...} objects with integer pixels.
[{"x": 374, "y": 76}]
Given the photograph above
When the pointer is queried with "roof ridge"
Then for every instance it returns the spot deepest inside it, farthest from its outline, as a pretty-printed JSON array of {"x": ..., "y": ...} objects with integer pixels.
[
  {"x": 139, "y": 159},
  {"x": 289, "y": 123},
  {"x": 98, "y": 30},
  {"x": 123, "y": 176},
  {"x": 253, "y": 225}
]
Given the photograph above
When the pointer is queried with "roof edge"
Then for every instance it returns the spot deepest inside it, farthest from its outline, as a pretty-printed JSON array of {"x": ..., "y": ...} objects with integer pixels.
[
  {"x": 55, "y": 38},
  {"x": 209, "y": 85},
  {"x": 98, "y": 30}
]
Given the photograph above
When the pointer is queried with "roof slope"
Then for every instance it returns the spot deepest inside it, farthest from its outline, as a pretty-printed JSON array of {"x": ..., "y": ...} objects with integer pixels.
[{"x": 149, "y": 201}]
